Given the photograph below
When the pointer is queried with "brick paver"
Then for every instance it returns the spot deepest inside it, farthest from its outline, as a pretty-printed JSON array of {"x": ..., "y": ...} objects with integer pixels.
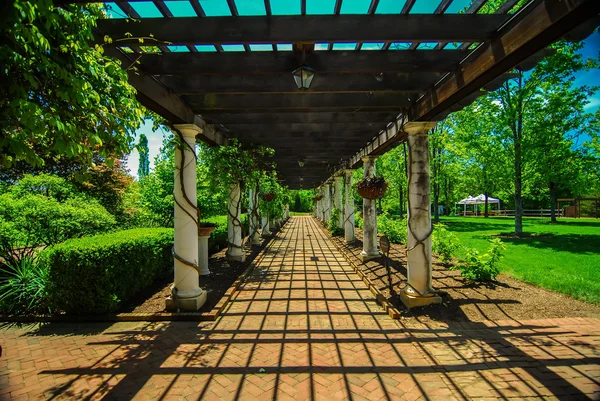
[{"x": 304, "y": 326}]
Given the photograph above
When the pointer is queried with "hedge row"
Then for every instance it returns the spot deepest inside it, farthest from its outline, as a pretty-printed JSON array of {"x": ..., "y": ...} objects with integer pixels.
[{"x": 97, "y": 274}]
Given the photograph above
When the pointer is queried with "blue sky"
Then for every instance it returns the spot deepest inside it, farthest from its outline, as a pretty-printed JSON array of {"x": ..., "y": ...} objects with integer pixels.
[{"x": 591, "y": 49}]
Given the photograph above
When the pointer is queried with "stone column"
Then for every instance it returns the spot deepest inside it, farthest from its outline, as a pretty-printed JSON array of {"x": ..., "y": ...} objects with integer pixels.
[
  {"x": 418, "y": 291},
  {"x": 265, "y": 225},
  {"x": 320, "y": 204},
  {"x": 337, "y": 199},
  {"x": 203, "y": 236},
  {"x": 370, "y": 250},
  {"x": 349, "y": 208},
  {"x": 253, "y": 222},
  {"x": 188, "y": 294},
  {"x": 234, "y": 225},
  {"x": 327, "y": 202}
]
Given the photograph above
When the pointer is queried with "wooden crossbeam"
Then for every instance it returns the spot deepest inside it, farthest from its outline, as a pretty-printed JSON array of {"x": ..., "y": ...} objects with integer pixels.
[
  {"x": 299, "y": 101},
  {"x": 245, "y": 63},
  {"x": 250, "y": 117},
  {"x": 532, "y": 28},
  {"x": 313, "y": 28},
  {"x": 328, "y": 128},
  {"x": 283, "y": 83}
]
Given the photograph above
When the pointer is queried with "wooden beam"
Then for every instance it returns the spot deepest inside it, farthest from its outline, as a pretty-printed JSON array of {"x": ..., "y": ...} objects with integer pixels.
[
  {"x": 330, "y": 128},
  {"x": 189, "y": 64},
  {"x": 301, "y": 101},
  {"x": 281, "y": 83},
  {"x": 313, "y": 28},
  {"x": 157, "y": 98},
  {"x": 534, "y": 27},
  {"x": 293, "y": 117}
]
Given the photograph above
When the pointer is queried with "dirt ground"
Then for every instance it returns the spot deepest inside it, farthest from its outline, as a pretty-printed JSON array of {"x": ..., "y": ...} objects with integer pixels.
[{"x": 507, "y": 298}]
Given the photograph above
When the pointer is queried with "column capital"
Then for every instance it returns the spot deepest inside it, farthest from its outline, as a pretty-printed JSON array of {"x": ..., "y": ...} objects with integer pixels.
[
  {"x": 188, "y": 130},
  {"x": 348, "y": 172},
  {"x": 368, "y": 159},
  {"x": 418, "y": 127},
  {"x": 338, "y": 178}
]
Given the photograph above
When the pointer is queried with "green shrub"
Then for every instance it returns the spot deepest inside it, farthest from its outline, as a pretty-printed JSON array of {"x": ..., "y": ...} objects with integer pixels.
[
  {"x": 444, "y": 243},
  {"x": 332, "y": 224},
  {"x": 477, "y": 267},
  {"x": 96, "y": 274},
  {"x": 24, "y": 287},
  {"x": 394, "y": 229},
  {"x": 358, "y": 220}
]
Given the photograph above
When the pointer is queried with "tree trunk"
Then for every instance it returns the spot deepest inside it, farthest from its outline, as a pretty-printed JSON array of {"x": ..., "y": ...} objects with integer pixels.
[
  {"x": 552, "y": 188},
  {"x": 401, "y": 200},
  {"x": 486, "y": 210},
  {"x": 518, "y": 131}
]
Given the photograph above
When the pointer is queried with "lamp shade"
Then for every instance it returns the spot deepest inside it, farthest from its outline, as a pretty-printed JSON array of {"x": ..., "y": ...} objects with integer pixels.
[{"x": 303, "y": 77}]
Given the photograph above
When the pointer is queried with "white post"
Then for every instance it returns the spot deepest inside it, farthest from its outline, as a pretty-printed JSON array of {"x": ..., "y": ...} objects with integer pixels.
[
  {"x": 418, "y": 291},
  {"x": 253, "y": 222},
  {"x": 203, "y": 251},
  {"x": 349, "y": 208},
  {"x": 319, "y": 205},
  {"x": 234, "y": 225},
  {"x": 327, "y": 201},
  {"x": 189, "y": 295},
  {"x": 337, "y": 200},
  {"x": 370, "y": 250},
  {"x": 265, "y": 226}
]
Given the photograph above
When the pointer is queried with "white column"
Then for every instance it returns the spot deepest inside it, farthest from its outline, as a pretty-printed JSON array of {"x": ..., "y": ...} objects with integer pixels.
[
  {"x": 234, "y": 225},
  {"x": 337, "y": 199},
  {"x": 320, "y": 204},
  {"x": 265, "y": 225},
  {"x": 370, "y": 250},
  {"x": 418, "y": 291},
  {"x": 189, "y": 295},
  {"x": 349, "y": 208},
  {"x": 327, "y": 202},
  {"x": 203, "y": 236},
  {"x": 253, "y": 222}
]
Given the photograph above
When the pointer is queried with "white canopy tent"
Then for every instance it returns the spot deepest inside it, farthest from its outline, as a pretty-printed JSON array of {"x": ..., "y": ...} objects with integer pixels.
[{"x": 477, "y": 200}]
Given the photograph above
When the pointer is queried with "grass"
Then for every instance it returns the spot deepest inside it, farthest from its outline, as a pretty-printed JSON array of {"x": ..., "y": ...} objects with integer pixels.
[
  {"x": 564, "y": 257},
  {"x": 300, "y": 213}
]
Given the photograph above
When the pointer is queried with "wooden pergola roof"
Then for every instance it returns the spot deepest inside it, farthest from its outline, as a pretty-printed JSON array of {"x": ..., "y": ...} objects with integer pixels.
[{"x": 232, "y": 74}]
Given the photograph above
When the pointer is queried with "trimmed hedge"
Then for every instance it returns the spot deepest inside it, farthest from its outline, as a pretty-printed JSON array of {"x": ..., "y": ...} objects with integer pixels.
[{"x": 96, "y": 274}]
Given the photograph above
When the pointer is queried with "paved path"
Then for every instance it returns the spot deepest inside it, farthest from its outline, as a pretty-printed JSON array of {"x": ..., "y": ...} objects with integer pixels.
[{"x": 303, "y": 327}]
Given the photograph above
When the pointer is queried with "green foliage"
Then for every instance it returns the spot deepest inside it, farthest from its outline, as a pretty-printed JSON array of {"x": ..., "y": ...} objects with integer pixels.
[
  {"x": 144, "y": 151},
  {"x": 332, "y": 224},
  {"x": 60, "y": 97},
  {"x": 24, "y": 287},
  {"x": 477, "y": 267},
  {"x": 444, "y": 243},
  {"x": 269, "y": 183},
  {"x": 394, "y": 229},
  {"x": 302, "y": 200},
  {"x": 43, "y": 184},
  {"x": 358, "y": 220},
  {"x": 46, "y": 221},
  {"x": 97, "y": 274}
]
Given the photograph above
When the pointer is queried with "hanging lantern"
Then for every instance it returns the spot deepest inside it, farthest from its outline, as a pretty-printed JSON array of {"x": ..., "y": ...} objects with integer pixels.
[{"x": 303, "y": 77}]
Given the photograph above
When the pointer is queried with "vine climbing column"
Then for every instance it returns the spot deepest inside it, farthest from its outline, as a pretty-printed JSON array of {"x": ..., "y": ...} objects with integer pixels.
[
  {"x": 187, "y": 293},
  {"x": 253, "y": 218},
  {"x": 418, "y": 291},
  {"x": 234, "y": 225},
  {"x": 370, "y": 250},
  {"x": 348, "y": 208},
  {"x": 326, "y": 201},
  {"x": 337, "y": 199}
]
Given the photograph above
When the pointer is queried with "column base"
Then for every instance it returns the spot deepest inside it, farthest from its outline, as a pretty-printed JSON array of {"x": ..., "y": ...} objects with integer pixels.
[
  {"x": 255, "y": 240},
  {"x": 365, "y": 257},
  {"x": 174, "y": 303},
  {"x": 412, "y": 299},
  {"x": 235, "y": 258}
]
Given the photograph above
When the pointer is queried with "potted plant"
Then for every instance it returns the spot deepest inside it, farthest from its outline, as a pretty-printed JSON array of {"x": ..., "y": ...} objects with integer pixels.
[
  {"x": 268, "y": 197},
  {"x": 372, "y": 187},
  {"x": 205, "y": 229}
]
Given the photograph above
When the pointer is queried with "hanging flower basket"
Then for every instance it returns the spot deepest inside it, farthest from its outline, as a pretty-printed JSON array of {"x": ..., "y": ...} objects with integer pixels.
[
  {"x": 268, "y": 197},
  {"x": 372, "y": 188},
  {"x": 318, "y": 198}
]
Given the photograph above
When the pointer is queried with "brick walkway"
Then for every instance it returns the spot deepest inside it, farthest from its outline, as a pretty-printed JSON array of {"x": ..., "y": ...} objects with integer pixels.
[{"x": 303, "y": 327}]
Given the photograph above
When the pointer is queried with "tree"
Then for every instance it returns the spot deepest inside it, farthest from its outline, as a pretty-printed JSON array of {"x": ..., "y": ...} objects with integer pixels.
[
  {"x": 527, "y": 103},
  {"x": 60, "y": 97},
  {"x": 144, "y": 151}
]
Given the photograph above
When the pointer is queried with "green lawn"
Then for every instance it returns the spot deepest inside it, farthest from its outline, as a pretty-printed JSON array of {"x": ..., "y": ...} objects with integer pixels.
[{"x": 563, "y": 257}]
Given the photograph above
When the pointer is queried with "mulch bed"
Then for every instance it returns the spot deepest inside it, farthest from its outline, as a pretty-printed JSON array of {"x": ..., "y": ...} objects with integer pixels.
[
  {"x": 223, "y": 274},
  {"x": 507, "y": 298}
]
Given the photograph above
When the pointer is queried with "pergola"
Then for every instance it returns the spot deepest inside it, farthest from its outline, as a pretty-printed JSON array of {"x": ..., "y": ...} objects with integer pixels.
[{"x": 223, "y": 72}]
